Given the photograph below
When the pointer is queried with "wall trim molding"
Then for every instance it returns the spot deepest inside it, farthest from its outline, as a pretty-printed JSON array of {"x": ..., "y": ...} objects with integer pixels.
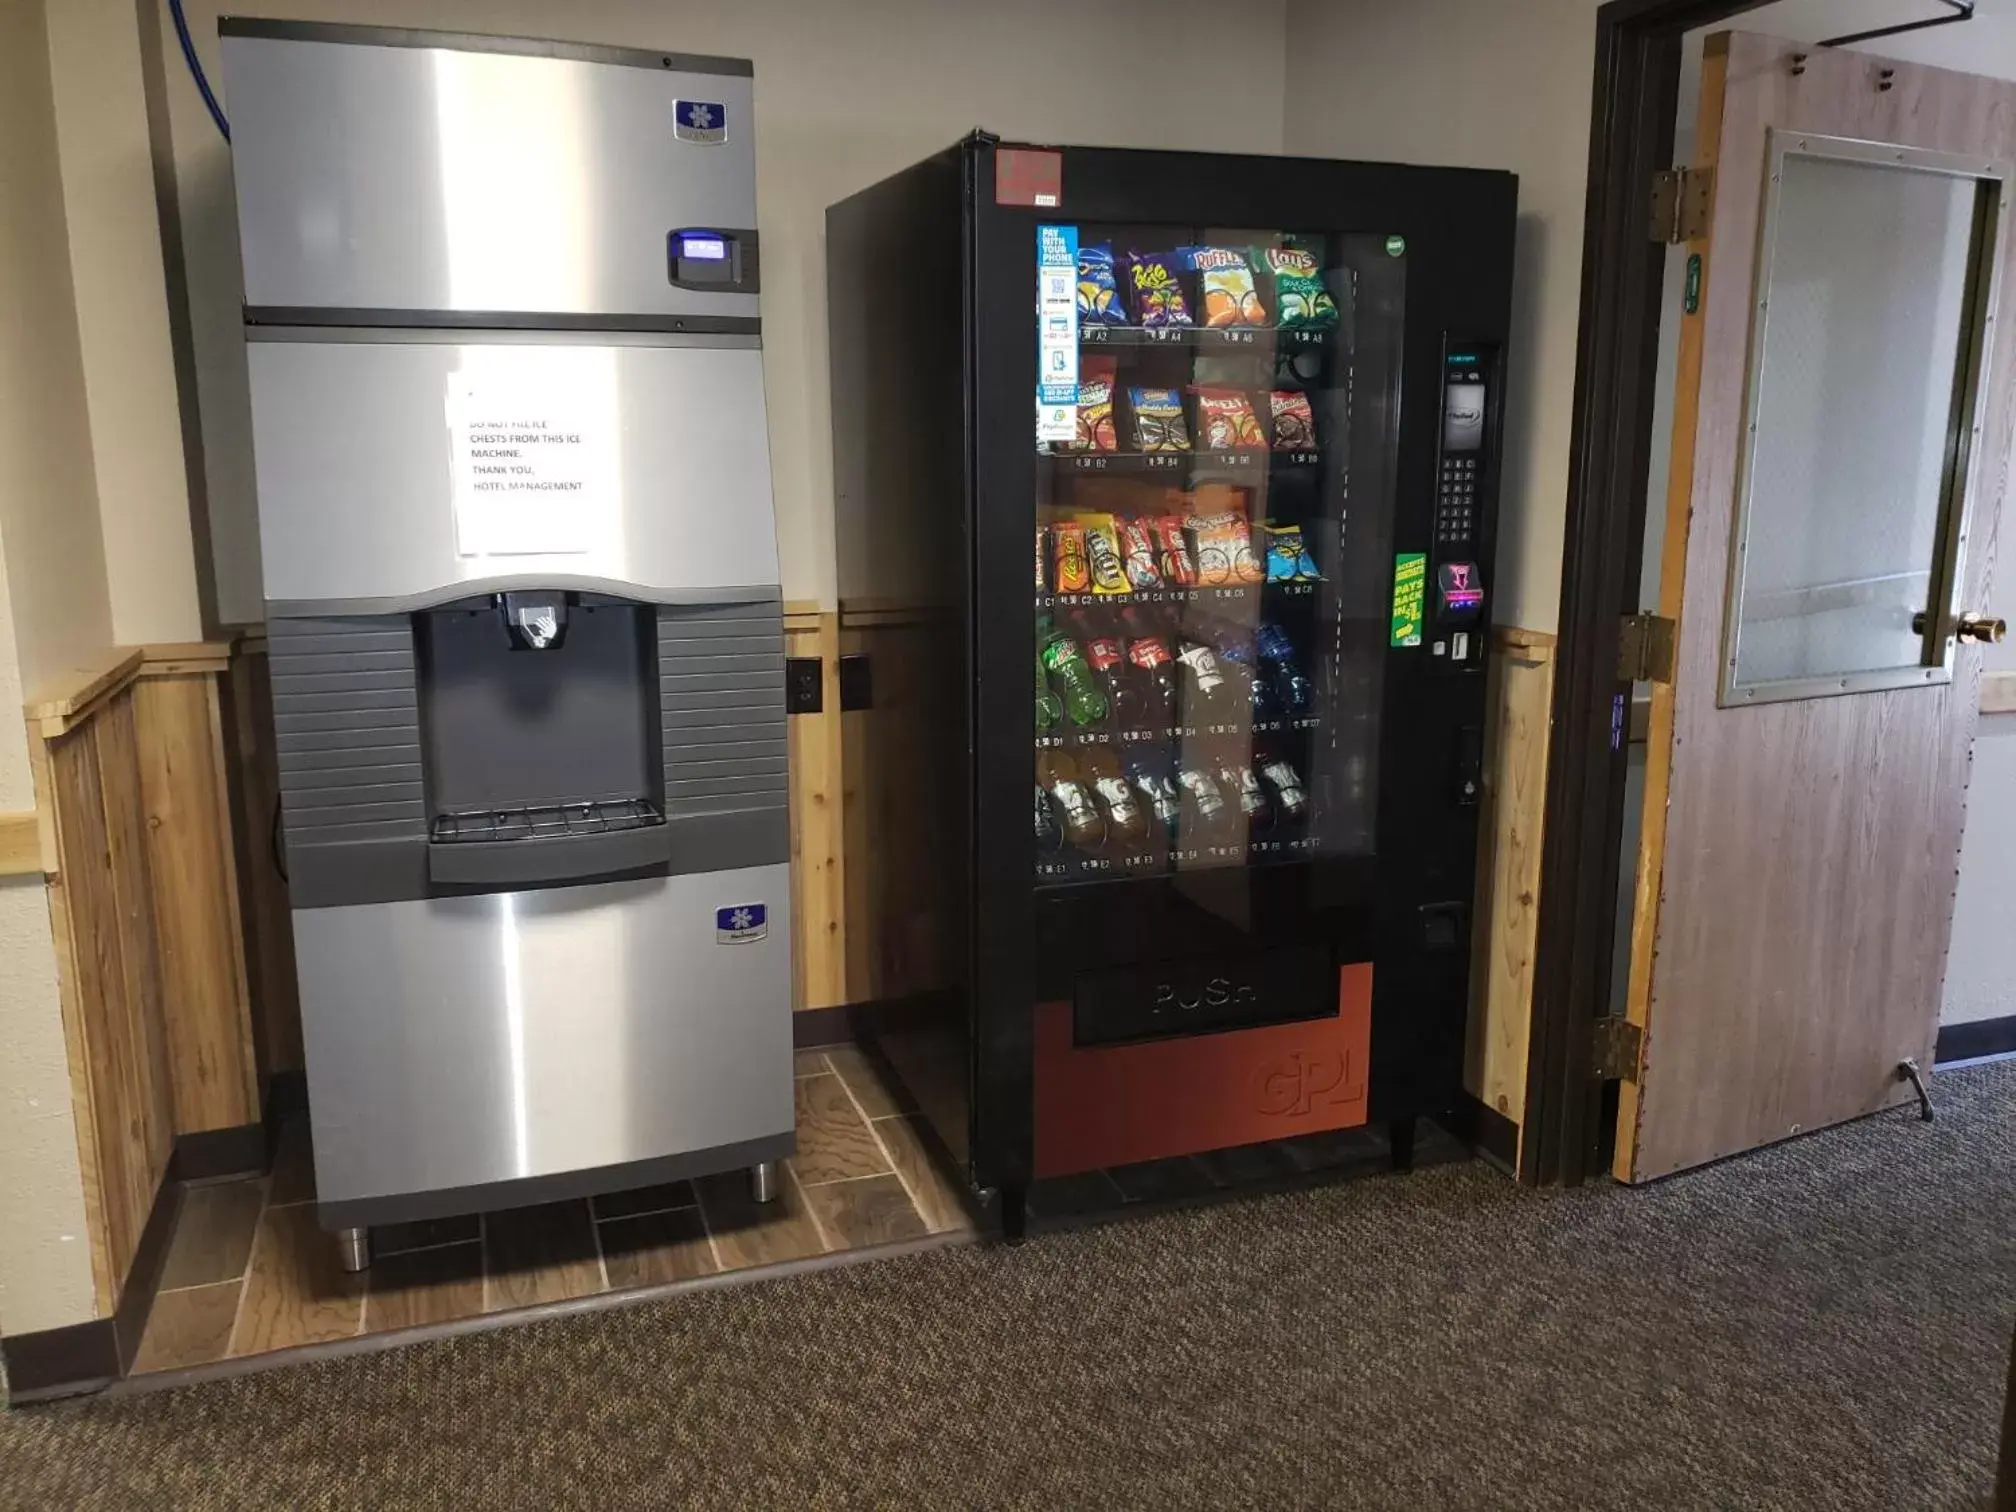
[
  {"x": 1959, "y": 1042},
  {"x": 20, "y": 844}
]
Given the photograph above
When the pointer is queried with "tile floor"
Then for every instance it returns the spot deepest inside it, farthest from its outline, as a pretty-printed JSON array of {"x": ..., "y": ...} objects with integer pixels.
[{"x": 250, "y": 1271}]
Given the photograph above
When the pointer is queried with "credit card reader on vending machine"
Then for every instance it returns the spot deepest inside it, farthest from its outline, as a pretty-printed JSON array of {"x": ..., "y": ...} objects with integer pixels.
[{"x": 1465, "y": 474}]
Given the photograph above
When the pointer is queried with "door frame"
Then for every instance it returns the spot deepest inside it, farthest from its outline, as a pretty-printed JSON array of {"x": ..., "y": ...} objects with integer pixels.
[{"x": 1569, "y": 1115}]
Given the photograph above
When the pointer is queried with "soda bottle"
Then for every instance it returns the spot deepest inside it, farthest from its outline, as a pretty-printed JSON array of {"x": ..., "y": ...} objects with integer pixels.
[
  {"x": 1126, "y": 822},
  {"x": 1205, "y": 799},
  {"x": 1151, "y": 781},
  {"x": 1107, "y": 653},
  {"x": 1049, "y": 707},
  {"x": 1207, "y": 697},
  {"x": 1239, "y": 778},
  {"x": 1289, "y": 794},
  {"x": 1148, "y": 651},
  {"x": 1048, "y": 837},
  {"x": 1236, "y": 656},
  {"x": 1070, "y": 675},
  {"x": 1057, "y": 774},
  {"x": 1296, "y": 692}
]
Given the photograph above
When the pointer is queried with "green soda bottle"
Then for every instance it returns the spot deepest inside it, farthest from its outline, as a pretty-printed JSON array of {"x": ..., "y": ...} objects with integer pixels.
[
  {"x": 1064, "y": 659},
  {"x": 1049, "y": 707}
]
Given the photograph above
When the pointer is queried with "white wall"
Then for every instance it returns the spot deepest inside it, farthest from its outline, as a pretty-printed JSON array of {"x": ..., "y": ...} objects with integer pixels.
[
  {"x": 1479, "y": 84},
  {"x": 114, "y": 239},
  {"x": 52, "y": 586},
  {"x": 845, "y": 95}
]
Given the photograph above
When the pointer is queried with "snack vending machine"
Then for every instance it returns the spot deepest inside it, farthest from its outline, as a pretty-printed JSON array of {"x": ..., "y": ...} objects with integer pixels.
[{"x": 1165, "y": 488}]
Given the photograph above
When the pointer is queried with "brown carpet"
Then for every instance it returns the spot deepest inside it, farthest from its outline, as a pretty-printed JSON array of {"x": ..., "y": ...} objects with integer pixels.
[{"x": 1823, "y": 1325}]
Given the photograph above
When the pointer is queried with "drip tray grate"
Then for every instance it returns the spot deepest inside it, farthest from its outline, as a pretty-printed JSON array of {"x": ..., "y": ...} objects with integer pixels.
[{"x": 544, "y": 821}]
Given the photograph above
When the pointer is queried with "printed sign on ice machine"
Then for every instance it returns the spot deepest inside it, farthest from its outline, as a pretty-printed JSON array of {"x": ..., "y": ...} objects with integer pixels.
[{"x": 1056, "y": 333}]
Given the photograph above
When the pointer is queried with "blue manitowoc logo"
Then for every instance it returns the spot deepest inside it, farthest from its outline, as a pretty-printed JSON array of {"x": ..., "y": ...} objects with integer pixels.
[
  {"x": 700, "y": 121},
  {"x": 745, "y": 921}
]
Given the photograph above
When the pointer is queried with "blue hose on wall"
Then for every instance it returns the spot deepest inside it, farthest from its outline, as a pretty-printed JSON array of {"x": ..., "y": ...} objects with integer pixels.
[{"x": 196, "y": 67}]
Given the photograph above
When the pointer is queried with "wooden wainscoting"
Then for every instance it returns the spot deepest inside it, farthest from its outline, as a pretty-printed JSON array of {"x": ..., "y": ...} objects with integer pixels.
[
  {"x": 134, "y": 841},
  {"x": 818, "y": 881},
  {"x": 1508, "y": 869}
]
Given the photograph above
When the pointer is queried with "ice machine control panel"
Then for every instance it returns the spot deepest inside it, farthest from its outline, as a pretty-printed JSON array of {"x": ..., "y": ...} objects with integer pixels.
[{"x": 712, "y": 258}]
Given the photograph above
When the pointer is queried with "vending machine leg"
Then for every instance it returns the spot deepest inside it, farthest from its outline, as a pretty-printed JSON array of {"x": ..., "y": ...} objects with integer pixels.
[
  {"x": 763, "y": 1181},
  {"x": 1400, "y": 1139},
  {"x": 1014, "y": 1214}
]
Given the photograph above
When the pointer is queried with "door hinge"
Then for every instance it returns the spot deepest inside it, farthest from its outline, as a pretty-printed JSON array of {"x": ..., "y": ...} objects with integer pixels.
[
  {"x": 1682, "y": 199},
  {"x": 1614, "y": 1042},
  {"x": 1645, "y": 648}
]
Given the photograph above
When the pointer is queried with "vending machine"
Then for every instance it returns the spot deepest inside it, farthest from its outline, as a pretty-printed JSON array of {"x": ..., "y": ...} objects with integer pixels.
[{"x": 1166, "y": 490}]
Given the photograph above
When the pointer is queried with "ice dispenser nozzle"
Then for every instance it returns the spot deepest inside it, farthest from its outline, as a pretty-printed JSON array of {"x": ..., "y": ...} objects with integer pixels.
[{"x": 536, "y": 621}]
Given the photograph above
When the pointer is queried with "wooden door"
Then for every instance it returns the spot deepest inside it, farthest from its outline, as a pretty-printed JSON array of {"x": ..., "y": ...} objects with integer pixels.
[{"x": 1840, "y": 448}]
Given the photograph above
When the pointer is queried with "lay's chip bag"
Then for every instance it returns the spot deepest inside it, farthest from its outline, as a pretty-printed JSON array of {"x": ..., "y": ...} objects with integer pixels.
[{"x": 1301, "y": 302}]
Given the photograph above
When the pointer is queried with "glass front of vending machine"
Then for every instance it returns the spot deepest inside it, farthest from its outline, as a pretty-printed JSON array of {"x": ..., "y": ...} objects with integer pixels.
[{"x": 1230, "y": 456}]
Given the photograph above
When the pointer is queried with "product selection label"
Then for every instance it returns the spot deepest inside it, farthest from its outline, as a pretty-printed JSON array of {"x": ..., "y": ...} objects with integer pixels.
[
  {"x": 1056, "y": 333},
  {"x": 1410, "y": 589}
]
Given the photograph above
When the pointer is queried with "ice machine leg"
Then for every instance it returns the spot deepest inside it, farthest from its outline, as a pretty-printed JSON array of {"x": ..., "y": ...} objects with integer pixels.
[
  {"x": 763, "y": 1181},
  {"x": 353, "y": 1249}
]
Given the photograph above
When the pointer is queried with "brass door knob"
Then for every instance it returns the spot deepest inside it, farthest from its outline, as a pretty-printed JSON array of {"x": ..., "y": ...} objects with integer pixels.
[{"x": 1985, "y": 628}]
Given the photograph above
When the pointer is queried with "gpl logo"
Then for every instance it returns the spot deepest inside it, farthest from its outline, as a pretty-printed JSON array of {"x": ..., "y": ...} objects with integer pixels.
[{"x": 1292, "y": 1085}]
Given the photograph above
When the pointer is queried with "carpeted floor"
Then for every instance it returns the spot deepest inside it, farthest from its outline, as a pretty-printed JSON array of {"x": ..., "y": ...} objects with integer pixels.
[{"x": 1823, "y": 1325}]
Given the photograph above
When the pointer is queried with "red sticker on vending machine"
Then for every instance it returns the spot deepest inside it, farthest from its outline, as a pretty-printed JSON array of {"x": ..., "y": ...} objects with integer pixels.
[{"x": 1025, "y": 176}]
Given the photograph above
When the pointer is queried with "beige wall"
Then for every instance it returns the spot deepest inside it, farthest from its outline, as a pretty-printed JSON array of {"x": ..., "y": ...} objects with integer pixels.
[
  {"x": 52, "y": 587},
  {"x": 122, "y": 320},
  {"x": 846, "y": 94},
  {"x": 1479, "y": 84}
]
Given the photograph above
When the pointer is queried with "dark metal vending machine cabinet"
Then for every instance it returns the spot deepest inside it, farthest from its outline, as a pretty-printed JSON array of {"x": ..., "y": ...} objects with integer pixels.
[{"x": 1247, "y": 413}]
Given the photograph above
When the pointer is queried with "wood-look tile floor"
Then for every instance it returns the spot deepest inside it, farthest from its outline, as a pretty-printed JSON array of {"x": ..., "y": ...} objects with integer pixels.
[{"x": 250, "y": 1271}]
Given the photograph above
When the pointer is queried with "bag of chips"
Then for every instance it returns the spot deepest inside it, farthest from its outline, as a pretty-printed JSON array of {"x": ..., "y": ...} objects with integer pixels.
[
  {"x": 1156, "y": 291},
  {"x": 1097, "y": 430},
  {"x": 1301, "y": 302},
  {"x": 1288, "y": 559},
  {"x": 1074, "y": 575},
  {"x": 1158, "y": 420},
  {"x": 1294, "y": 421},
  {"x": 1098, "y": 295},
  {"x": 1226, "y": 280},
  {"x": 1226, "y": 422},
  {"x": 1225, "y": 550},
  {"x": 1137, "y": 550},
  {"x": 1172, "y": 553},
  {"x": 1102, "y": 551}
]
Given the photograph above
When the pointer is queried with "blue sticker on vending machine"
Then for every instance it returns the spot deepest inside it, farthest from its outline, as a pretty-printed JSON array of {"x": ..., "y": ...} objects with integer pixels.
[{"x": 1056, "y": 333}]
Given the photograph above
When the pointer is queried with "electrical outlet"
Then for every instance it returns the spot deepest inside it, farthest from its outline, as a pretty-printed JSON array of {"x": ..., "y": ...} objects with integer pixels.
[{"x": 804, "y": 685}]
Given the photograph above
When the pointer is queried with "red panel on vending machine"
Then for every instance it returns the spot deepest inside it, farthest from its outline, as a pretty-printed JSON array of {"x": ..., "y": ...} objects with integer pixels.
[{"x": 1113, "y": 1105}]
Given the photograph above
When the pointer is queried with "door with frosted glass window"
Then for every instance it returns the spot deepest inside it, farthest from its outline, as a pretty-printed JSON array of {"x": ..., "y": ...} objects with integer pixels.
[{"x": 1839, "y": 457}]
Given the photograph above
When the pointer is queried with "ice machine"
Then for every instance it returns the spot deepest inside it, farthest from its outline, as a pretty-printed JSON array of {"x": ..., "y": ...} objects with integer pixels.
[
  {"x": 520, "y": 573},
  {"x": 1166, "y": 487}
]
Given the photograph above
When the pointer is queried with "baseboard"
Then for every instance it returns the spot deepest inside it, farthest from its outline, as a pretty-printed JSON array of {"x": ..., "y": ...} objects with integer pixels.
[
  {"x": 205, "y": 1156},
  {"x": 63, "y": 1362},
  {"x": 1486, "y": 1131},
  {"x": 1958, "y": 1042},
  {"x": 820, "y": 1026}
]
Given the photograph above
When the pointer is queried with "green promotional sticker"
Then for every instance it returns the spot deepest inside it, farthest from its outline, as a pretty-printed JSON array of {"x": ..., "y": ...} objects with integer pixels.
[
  {"x": 1410, "y": 588},
  {"x": 1395, "y": 245}
]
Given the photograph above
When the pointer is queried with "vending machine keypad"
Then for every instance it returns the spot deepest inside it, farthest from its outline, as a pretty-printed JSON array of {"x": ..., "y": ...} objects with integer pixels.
[{"x": 1456, "y": 502}]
